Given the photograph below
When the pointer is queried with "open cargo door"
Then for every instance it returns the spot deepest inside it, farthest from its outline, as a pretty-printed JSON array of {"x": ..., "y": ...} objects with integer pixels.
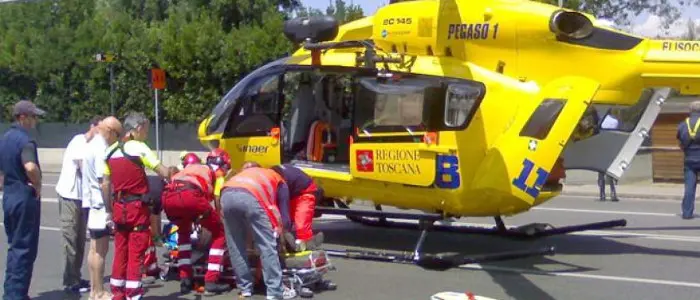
[
  {"x": 611, "y": 150},
  {"x": 523, "y": 157}
]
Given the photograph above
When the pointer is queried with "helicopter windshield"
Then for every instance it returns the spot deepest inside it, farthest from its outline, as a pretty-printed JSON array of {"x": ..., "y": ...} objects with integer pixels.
[{"x": 249, "y": 84}]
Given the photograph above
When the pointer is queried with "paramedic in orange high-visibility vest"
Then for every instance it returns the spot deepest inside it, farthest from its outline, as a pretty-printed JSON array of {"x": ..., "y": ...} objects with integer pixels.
[
  {"x": 129, "y": 208},
  {"x": 689, "y": 142},
  {"x": 187, "y": 199},
  {"x": 249, "y": 200}
]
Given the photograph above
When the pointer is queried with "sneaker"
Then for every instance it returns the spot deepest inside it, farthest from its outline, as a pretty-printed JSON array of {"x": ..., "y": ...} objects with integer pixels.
[
  {"x": 245, "y": 294},
  {"x": 287, "y": 294},
  {"x": 216, "y": 288},
  {"x": 186, "y": 285},
  {"x": 81, "y": 287}
]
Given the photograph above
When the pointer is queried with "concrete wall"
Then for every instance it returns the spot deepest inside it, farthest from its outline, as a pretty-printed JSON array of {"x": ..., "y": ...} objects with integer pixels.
[{"x": 172, "y": 137}]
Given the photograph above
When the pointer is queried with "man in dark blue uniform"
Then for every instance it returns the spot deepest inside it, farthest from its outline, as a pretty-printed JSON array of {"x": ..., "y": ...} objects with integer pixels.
[
  {"x": 21, "y": 199},
  {"x": 690, "y": 144}
]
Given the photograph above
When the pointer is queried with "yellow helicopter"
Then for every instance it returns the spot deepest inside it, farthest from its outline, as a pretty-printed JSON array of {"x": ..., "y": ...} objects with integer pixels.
[{"x": 456, "y": 108}]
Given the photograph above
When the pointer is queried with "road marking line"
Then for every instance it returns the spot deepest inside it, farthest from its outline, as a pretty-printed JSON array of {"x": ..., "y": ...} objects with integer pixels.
[
  {"x": 623, "y": 199},
  {"x": 619, "y": 212},
  {"x": 580, "y": 275}
]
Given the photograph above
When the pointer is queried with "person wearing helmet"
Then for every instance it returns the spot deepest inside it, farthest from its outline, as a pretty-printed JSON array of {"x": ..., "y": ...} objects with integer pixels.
[
  {"x": 220, "y": 162},
  {"x": 185, "y": 200}
]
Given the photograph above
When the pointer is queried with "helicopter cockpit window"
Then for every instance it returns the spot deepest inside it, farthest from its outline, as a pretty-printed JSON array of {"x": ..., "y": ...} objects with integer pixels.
[
  {"x": 256, "y": 112},
  {"x": 542, "y": 120},
  {"x": 391, "y": 106},
  {"x": 460, "y": 100}
]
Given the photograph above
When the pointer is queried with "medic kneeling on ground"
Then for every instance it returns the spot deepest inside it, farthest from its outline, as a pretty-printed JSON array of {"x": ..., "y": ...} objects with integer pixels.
[
  {"x": 186, "y": 200},
  {"x": 303, "y": 194}
]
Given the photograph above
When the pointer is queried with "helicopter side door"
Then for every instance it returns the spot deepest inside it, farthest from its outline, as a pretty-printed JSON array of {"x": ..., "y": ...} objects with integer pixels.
[
  {"x": 621, "y": 133},
  {"x": 253, "y": 129}
]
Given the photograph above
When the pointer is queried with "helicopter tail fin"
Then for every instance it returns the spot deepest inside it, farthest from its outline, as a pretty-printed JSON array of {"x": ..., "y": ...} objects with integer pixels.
[
  {"x": 673, "y": 64},
  {"x": 522, "y": 159}
]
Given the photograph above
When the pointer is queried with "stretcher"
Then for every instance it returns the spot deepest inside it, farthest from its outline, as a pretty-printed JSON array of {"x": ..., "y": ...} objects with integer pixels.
[{"x": 302, "y": 271}]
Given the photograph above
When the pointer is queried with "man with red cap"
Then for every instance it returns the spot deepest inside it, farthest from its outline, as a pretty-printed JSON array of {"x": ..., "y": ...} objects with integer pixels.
[{"x": 186, "y": 200}]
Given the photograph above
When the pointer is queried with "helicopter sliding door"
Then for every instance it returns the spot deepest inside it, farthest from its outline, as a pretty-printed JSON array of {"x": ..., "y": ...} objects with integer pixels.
[
  {"x": 253, "y": 129},
  {"x": 611, "y": 148}
]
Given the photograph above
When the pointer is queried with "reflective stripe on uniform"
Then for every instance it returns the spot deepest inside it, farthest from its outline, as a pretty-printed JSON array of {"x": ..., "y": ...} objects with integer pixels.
[
  {"x": 117, "y": 282},
  {"x": 694, "y": 130},
  {"x": 216, "y": 252},
  {"x": 214, "y": 267},
  {"x": 133, "y": 284}
]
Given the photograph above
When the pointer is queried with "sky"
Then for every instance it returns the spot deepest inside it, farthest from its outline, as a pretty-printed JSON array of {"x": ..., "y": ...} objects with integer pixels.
[{"x": 645, "y": 25}]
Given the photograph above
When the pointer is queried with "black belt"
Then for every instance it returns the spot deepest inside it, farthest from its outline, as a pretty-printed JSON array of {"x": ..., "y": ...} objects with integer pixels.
[
  {"x": 127, "y": 197},
  {"x": 124, "y": 227}
]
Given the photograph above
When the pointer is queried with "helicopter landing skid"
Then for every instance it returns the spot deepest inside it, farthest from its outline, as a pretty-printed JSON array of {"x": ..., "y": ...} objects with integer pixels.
[
  {"x": 528, "y": 231},
  {"x": 426, "y": 222}
]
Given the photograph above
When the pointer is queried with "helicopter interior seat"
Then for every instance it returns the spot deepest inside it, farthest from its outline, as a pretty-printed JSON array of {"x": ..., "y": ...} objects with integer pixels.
[{"x": 301, "y": 119}]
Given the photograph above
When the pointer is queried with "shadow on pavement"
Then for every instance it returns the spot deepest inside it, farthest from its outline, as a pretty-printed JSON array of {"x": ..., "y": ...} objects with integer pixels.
[
  {"x": 56, "y": 295},
  {"x": 344, "y": 234},
  {"x": 379, "y": 239}
]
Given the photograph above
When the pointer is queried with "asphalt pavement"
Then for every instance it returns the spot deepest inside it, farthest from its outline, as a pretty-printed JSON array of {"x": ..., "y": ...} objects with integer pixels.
[{"x": 654, "y": 257}]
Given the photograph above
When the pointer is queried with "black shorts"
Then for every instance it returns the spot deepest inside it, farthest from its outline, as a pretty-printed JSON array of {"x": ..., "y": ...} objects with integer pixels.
[{"x": 99, "y": 233}]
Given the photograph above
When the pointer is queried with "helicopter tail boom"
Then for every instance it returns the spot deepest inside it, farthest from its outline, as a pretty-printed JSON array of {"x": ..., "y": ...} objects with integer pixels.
[{"x": 674, "y": 64}]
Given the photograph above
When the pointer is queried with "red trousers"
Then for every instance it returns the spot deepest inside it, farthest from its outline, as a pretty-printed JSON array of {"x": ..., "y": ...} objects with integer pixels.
[
  {"x": 131, "y": 239},
  {"x": 151, "y": 260},
  {"x": 302, "y": 211},
  {"x": 182, "y": 208}
]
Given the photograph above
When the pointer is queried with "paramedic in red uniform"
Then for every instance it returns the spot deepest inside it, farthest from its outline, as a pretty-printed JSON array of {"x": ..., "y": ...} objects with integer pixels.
[
  {"x": 303, "y": 194},
  {"x": 186, "y": 199},
  {"x": 249, "y": 199},
  {"x": 125, "y": 189}
]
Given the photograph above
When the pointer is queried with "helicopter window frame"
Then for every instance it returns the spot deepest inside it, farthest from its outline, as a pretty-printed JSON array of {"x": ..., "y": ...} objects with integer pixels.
[
  {"x": 543, "y": 118},
  {"x": 471, "y": 87},
  {"x": 251, "y": 109}
]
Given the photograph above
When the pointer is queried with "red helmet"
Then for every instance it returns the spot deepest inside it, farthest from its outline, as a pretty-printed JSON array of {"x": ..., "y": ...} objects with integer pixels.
[
  {"x": 190, "y": 158},
  {"x": 218, "y": 158}
]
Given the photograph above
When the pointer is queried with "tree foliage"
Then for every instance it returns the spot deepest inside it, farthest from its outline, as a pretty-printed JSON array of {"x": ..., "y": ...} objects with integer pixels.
[{"x": 47, "y": 51}]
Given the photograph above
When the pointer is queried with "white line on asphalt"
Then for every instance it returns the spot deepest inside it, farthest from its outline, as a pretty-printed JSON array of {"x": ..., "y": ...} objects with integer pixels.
[
  {"x": 618, "y": 212},
  {"x": 580, "y": 275},
  {"x": 623, "y": 199}
]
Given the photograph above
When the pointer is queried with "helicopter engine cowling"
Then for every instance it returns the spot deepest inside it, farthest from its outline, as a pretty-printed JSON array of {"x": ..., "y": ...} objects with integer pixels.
[{"x": 570, "y": 24}]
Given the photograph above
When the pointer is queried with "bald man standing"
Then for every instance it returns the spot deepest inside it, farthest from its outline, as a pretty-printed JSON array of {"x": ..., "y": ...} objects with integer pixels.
[{"x": 108, "y": 133}]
